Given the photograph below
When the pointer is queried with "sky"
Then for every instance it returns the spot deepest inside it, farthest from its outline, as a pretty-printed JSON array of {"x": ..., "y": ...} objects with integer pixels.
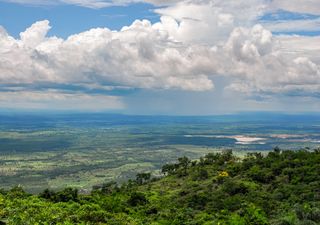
[{"x": 194, "y": 57}]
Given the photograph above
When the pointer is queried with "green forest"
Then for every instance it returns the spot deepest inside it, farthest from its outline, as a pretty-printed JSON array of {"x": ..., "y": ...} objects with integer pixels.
[{"x": 279, "y": 187}]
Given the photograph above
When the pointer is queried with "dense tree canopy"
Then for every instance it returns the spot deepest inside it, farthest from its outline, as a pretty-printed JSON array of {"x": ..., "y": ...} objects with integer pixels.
[{"x": 280, "y": 187}]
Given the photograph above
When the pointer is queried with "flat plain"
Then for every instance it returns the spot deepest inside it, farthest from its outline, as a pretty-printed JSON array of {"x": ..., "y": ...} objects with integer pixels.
[{"x": 82, "y": 150}]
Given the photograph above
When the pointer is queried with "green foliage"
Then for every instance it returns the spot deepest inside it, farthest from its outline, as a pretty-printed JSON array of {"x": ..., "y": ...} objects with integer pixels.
[
  {"x": 202, "y": 174},
  {"x": 65, "y": 195},
  {"x": 169, "y": 169},
  {"x": 183, "y": 164},
  {"x": 137, "y": 198},
  {"x": 280, "y": 188},
  {"x": 142, "y": 178}
]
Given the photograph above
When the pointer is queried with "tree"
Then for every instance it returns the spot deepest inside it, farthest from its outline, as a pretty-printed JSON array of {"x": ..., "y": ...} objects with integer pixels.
[
  {"x": 137, "y": 198},
  {"x": 168, "y": 169},
  {"x": 226, "y": 156},
  {"x": 184, "y": 164},
  {"x": 142, "y": 178},
  {"x": 48, "y": 194},
  {"x": 210, "y": 158},
  {"x": 17, "y": 192},
  {"x": 66, "y": 195},
  {"x": 203, "y": 174}
]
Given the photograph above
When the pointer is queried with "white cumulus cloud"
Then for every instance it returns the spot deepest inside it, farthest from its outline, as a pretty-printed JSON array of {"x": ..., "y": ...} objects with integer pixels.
[
  {"x": 193, "y": 44},
  {"x": 138, "y": 56}
]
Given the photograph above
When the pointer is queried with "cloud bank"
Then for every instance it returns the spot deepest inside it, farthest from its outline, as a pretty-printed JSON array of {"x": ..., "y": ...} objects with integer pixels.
[
  {"x": 193, "y": 44},
  {"x": 146, "y": 55}
]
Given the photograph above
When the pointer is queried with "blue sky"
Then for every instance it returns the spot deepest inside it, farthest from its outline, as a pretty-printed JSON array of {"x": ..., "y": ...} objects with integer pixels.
[
  {"x": 70, "y": 19},
  {"x": 160, "y": 57}
]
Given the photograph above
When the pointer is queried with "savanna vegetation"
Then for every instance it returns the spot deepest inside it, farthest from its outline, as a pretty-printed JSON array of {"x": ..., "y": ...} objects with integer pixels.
[
  {"x": 40, "y": 151},
  {"x": 280, "y": 187}
]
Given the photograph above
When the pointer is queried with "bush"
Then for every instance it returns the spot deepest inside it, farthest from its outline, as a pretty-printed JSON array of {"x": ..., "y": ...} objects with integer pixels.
[
  {"x": 66, "y": 195},
  {"x": 137, "y": 198}
]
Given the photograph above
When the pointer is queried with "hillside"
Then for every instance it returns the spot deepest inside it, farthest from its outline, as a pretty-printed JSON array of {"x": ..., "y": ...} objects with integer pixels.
[{"x": 282, "y": 187}]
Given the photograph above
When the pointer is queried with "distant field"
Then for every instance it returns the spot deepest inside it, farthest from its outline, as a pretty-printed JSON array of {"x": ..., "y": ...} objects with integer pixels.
[{"x": 84, "y": 150}]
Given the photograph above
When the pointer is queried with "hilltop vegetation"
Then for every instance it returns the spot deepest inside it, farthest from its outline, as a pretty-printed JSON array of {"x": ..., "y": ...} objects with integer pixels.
[{"x": 282, "y": 187}]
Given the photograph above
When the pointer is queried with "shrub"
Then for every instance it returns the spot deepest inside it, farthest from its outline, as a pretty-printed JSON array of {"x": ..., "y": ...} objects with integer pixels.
[{"x": 137, "y": 198}]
